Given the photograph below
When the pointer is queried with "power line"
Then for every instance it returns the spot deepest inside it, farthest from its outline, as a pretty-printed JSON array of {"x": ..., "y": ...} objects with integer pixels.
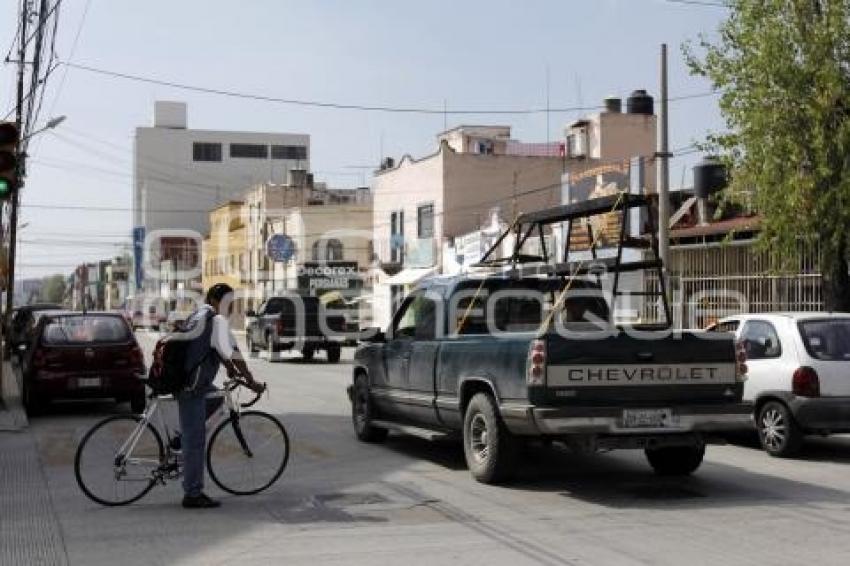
[
  {"x": 337, "y": 105},
  {"x": 699, "y": 3}
]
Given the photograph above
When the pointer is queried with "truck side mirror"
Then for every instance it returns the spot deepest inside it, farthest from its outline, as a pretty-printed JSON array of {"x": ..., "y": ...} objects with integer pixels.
[{"x": 250, "y": 313}]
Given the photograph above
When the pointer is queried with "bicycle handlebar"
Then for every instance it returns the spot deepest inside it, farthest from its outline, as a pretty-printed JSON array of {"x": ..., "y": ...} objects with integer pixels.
[{"x": 235, "y": 382}]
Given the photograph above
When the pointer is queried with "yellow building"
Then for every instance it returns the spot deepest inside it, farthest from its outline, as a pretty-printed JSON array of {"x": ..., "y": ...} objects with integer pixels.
[{"x": 225, "y": 253}]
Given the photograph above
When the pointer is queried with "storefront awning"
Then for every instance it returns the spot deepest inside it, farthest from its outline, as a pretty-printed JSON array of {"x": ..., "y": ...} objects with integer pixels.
[{"x": 410, "y": 275}]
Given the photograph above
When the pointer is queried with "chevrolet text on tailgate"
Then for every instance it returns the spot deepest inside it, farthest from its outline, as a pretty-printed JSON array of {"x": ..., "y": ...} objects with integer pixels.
[{"x": 534, "y": 351}]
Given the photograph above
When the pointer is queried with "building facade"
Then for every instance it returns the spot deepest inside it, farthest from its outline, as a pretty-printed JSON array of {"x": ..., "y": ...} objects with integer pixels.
[{"x": 423, "y": 205}]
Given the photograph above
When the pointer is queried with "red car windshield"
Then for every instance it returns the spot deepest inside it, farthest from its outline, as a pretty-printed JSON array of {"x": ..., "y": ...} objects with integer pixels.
[{"x": 85, "y": 329}]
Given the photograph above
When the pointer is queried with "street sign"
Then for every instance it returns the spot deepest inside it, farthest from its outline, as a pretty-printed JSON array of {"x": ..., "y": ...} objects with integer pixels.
[
  {"x": 280, "y": 248},
  {"x": 316, "y": 278}
]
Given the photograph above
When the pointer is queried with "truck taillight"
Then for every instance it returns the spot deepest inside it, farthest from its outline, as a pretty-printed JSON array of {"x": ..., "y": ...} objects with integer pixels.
[
  {"x": 536, "y": 363},
  {"x": 805, "y": 382},
  {"x": 740, "y": 361}
]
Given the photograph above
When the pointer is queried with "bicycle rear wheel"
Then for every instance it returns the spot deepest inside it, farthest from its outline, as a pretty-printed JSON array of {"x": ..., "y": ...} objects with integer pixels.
[
  {"x": 110, "y": 478},
  {"x": 248, "y": 453}
]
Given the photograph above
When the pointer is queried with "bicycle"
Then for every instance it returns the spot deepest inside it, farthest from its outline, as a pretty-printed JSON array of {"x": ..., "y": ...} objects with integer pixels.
[{"x": 121, "y": 458}]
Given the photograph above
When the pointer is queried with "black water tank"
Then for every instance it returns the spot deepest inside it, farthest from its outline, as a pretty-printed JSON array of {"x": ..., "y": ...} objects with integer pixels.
[
  {"x": 709, "y": 177},
  {"x": 639, "y": 102},
  {"x": 613, "y": 105}
]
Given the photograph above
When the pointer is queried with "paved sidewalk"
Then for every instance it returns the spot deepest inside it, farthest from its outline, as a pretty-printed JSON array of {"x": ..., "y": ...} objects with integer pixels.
[
  {"x": 30, "y": 532},
  {"x": 29, "y": 529}
]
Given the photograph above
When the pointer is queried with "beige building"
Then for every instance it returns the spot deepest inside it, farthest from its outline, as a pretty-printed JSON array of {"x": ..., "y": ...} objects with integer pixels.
[
  {"x": 225, "y": 253},
  {"x": 421, "y": 204},
  {"x": 329, "y": 230}
]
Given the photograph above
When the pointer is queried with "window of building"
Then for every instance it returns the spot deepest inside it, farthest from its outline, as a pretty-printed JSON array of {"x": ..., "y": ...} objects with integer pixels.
[
  {"x": 327, "y": 250},
  {"x": 297, "y": 152},
  {"x": 204, "y": 151},
  {"x": 425, "y": 221},
  {"x": 249, "y": 150},
  {"x": 396, "y": 236}
]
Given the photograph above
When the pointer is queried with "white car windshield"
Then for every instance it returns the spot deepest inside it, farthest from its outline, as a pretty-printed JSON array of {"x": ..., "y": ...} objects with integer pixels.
[{"x": 827, "y": 339}]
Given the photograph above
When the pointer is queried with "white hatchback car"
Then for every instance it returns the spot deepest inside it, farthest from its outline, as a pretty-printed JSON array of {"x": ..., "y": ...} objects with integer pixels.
[{"x": 798, "y": 376}]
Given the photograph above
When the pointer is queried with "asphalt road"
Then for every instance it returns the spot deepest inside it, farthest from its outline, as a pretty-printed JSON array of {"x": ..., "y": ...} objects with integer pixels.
[{"x": 412, "y": 502}]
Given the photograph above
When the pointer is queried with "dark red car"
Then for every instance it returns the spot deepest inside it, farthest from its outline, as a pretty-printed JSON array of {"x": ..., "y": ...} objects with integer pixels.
[{"x": 77, "y": 355}]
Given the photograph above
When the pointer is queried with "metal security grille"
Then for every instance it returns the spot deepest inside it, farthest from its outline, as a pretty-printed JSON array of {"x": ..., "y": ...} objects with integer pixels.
[{"x": 713, "y": 280}]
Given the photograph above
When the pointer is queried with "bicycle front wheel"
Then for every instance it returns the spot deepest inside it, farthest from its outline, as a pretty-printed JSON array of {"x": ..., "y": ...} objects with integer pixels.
[
  {"x": 116, "y": 460},
  {"x": 247, "y": 453}
]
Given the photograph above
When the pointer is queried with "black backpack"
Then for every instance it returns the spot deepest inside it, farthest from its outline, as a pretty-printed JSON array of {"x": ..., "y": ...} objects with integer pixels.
[{"x": 168, "y": 374}]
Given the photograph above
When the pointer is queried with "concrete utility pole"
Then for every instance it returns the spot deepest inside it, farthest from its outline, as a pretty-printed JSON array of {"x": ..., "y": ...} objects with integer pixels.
[{"x": 663, "y": 158}]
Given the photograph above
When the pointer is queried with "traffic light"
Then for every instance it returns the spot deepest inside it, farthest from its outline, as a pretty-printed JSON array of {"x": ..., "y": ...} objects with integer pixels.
[{"x": 9, "y": 139}]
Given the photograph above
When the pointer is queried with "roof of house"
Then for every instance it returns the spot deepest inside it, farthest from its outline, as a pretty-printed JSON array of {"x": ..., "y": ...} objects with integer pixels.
[{"x": 737, "y": 224}]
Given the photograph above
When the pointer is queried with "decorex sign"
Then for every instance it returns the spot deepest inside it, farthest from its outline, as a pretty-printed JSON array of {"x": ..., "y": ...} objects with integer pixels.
[{"x": 318, "y": 277}]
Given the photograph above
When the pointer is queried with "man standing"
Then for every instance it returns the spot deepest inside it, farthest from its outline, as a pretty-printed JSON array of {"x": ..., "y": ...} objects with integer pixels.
[{"x": 214, "y": 346}]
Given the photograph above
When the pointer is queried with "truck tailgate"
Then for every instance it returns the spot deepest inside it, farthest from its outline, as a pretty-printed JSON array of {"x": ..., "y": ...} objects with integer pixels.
[{"x": 624, "y": 370}]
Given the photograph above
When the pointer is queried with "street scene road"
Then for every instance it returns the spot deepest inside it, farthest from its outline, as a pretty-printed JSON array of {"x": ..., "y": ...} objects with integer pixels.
[
  {"x": 479, "y": 283},
  {"x": 413, "y": 502}
]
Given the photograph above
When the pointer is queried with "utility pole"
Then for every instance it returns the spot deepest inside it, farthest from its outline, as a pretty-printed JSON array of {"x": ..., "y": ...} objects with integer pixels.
[
  {"x": 13, "y": 202},
  {"x": 663, "y": 158}
]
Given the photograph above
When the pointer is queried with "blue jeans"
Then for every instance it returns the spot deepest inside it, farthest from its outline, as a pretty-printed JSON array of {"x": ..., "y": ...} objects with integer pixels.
[{"x": 195, "y": 408}]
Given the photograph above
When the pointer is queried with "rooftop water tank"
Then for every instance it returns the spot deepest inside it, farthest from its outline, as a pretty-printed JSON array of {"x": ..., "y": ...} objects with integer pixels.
[{"x": 639, "y": 102}]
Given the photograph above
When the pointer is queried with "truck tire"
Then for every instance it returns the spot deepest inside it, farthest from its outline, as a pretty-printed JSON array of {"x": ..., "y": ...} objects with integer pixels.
[
  {"x": 779, "y": 433},
  {"x": 675, "y": 460},
  {"x": 307, "y": 353},
  {"x": 488, "y": 445},
  {"x": 362, "y": 413},
  {"x": 334, "y": 350}
]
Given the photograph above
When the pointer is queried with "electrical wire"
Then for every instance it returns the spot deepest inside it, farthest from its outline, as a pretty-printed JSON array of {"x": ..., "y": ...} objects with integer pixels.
[{"x": 338, "y": 105}]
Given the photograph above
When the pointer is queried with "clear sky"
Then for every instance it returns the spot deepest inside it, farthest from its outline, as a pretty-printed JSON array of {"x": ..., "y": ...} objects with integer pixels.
[{"x": 469, "y": 54}]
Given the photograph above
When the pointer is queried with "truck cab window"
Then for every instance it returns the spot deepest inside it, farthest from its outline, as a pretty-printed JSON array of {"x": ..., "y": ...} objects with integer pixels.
[{"x": 417, "y": 319}]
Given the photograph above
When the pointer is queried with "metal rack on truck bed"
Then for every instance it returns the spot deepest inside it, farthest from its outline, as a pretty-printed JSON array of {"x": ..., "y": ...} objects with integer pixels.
[{"x": 525, "y": 226}]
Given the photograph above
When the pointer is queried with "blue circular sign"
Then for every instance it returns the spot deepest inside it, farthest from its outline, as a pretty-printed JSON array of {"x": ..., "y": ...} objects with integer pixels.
[{"x": 280, "y": 247}]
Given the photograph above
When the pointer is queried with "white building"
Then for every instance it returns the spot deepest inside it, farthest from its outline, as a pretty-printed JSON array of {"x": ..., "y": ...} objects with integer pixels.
[{"x": 180, "y": 174}]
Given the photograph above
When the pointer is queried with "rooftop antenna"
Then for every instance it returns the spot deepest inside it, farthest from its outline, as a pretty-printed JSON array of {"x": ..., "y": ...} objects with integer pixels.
[{"x": 547, "y": 105}]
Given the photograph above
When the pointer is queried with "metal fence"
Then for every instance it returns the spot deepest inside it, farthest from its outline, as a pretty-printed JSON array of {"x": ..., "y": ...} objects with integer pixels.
[{"x": 712, "y": 280}]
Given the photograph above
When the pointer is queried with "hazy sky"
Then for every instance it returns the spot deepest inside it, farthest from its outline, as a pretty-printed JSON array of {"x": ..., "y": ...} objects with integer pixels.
[{"x": 470, "y": 54}]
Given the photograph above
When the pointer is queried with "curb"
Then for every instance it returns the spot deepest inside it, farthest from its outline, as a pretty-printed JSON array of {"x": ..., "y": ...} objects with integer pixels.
[{"x": 13, "y": 418}]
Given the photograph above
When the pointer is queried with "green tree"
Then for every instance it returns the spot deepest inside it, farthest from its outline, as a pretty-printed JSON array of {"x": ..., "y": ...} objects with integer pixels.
[
  {"x": 783, "y": 70},
  {"x": 53, "y": 289}
]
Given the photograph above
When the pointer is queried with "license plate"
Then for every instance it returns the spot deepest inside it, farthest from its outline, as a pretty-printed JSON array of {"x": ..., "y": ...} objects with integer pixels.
[
  {"x": 88, "y": 382},
  {"x": 646, "y": 418}
]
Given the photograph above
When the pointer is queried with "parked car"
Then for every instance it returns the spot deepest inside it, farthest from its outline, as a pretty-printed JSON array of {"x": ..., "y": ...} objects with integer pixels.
[
  {"x": 148, "y": 316},
  {"x": 83, "y": 355},
  {"x": 442, "y": 369},
  {"x": 798, "y": 377},
  {"x": 175, "y": 319},
  {"x": 21, "y": 324},
  {"x": 280, "y": 324}
]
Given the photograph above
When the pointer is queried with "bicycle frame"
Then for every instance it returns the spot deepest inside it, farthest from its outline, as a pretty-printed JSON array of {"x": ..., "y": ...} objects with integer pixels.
[{"x": 229, "y": 409}]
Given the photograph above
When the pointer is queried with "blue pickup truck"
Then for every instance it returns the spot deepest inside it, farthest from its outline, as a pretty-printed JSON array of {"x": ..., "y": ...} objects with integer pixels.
[{"x": 504, "y": 357}]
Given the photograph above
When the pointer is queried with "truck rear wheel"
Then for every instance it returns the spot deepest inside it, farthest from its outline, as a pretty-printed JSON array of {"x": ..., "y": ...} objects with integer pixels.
[
  {"x": 362, "y": 413},
  {"x": 334, "y": 352},
  {"x": 488, "y": 445},
  {"x": 675, "y": 460}
]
